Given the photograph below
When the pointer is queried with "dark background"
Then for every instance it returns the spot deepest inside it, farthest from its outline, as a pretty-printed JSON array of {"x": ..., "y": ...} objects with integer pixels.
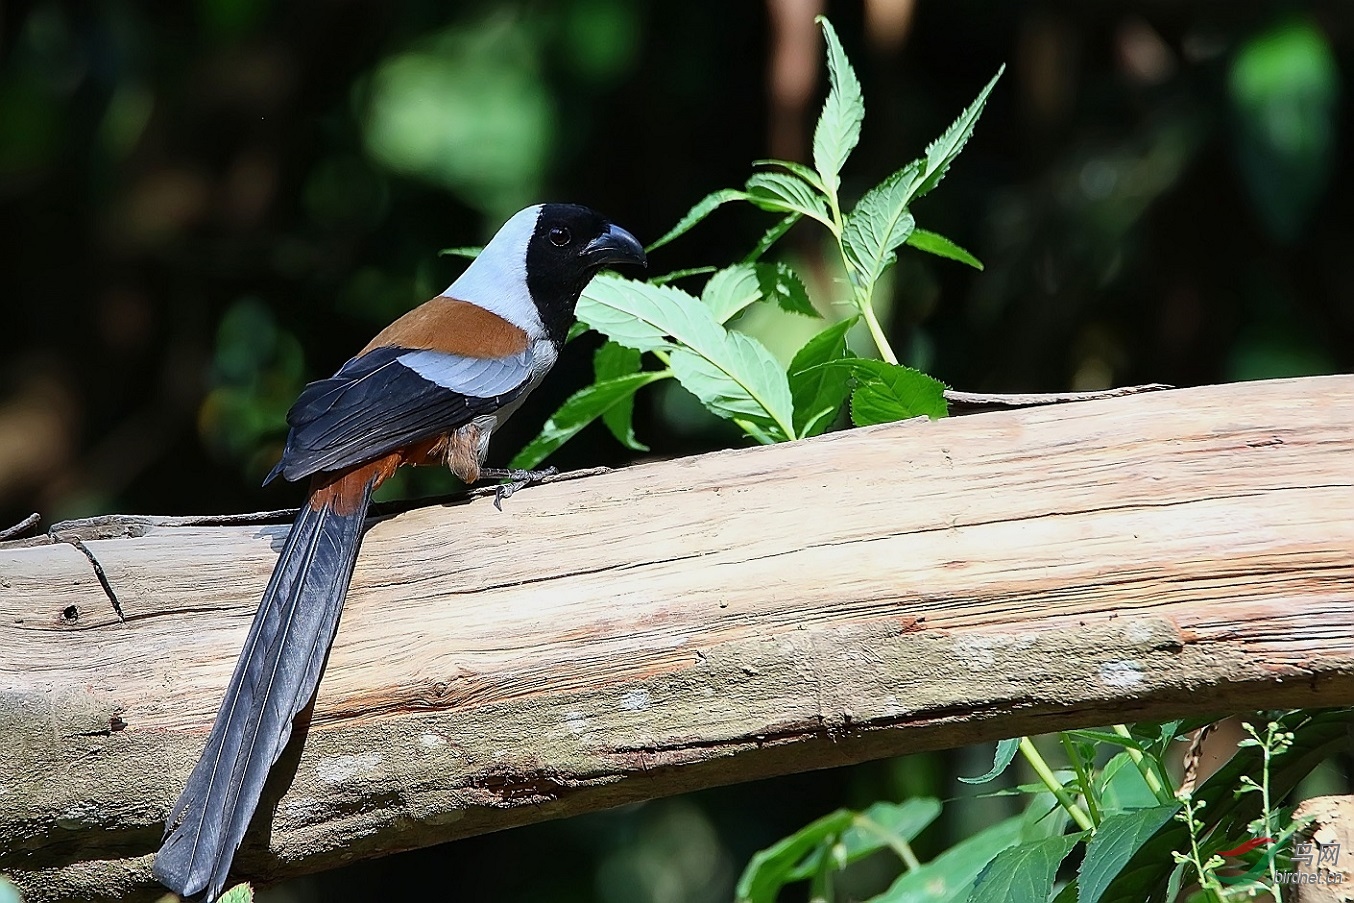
[{"x": 205, "y": 204}]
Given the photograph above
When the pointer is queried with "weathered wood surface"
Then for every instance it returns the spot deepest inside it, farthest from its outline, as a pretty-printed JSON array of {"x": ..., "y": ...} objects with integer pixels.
[{"x": 698, "y": 622}]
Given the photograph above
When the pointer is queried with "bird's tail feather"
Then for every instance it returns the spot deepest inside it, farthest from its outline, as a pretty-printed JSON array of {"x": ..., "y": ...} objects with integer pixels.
[{"x": 274, "y": 679}]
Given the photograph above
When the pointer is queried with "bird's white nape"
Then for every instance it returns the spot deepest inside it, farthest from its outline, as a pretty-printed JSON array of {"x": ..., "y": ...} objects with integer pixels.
[{"x": 496, "y": 280}]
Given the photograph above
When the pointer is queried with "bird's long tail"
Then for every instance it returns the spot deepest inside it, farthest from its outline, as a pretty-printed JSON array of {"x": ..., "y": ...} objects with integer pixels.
[{"x": 274, "y": 679}]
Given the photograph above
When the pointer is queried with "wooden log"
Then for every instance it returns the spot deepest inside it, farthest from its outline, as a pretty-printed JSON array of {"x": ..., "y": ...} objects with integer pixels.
[{"x": 696, "y": 622}]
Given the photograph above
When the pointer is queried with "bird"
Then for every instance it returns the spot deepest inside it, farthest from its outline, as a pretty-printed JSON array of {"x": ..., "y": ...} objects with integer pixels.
[{"x": 429, "y": 389}]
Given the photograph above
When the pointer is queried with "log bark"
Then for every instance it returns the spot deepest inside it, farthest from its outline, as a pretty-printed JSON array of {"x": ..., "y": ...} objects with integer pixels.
[{"x": 696, "y": 622}]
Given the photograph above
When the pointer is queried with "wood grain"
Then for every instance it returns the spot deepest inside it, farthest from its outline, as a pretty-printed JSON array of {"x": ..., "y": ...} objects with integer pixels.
[{"x": 696, "y": 622}]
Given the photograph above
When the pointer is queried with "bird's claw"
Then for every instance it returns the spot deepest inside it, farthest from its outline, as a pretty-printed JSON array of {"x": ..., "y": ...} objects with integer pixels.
[{"x": 517, "y": 479}]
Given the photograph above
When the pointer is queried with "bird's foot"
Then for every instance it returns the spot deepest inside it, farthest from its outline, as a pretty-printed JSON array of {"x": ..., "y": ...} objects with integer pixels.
[{"x": 516, "y": 479}]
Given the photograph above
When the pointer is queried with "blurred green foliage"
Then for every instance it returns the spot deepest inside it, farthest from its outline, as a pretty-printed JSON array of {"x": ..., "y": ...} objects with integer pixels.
[{"x": 207, "y": 204}]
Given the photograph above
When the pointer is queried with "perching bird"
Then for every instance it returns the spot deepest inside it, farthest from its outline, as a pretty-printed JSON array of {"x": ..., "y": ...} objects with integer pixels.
[{"x": 430, "y": 389}]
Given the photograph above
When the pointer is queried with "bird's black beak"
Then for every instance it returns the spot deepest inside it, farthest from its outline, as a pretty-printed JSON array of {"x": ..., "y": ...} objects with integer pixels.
[{"x": 614, "y": 246}]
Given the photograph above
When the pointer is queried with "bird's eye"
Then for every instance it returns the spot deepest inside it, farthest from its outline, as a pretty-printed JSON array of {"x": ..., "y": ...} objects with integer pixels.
[{"x": 560, "y": 236}]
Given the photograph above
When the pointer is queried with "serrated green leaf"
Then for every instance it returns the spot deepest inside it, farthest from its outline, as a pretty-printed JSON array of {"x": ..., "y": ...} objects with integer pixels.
[
  {"x": 613, "y": 361},
  {"x": 818, "y": 391},
  {"x": 773, "y": 235},
  {"x": 1005, "y": 753},
  {"x": 1116, "y": 839},
  {"x": 742, "y": 382},
  {"x": 887, "y": 392},
  {"x": 1024, "y": 873},
  {"x": 838, "y": 128},
  {"x": 780, "y": 283},
  {"x": 878, "y": 827},
  {"x": 941, "y": 152},
  {"x": 634, "y": 314},
  {"x": 783, "y": 192},
  {"x": 580, "y": 409},
  {"x": 240, "y": 893},
  {"x": 768, "y": 870},
  {"x": 733, "y": 369},
  {"x": 702, "y": 208},
  {"x": 948, "y": 877},
  {"x": 939, "y": 245},
  {"x": 799, "y": 169},
  {"x": 730, "y": 290},
  {"x": 1147, "y": 875},
  {"x": 880, "y": 223}
]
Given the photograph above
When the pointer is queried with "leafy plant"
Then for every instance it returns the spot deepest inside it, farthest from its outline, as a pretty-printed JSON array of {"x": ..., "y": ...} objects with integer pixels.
[
  {"x": 687, "y": 337},
  {"x": 1138, "y": 839}
]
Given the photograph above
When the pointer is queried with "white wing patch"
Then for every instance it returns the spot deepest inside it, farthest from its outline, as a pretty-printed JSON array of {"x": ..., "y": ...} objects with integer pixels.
[{"x": 471, "y": 376}]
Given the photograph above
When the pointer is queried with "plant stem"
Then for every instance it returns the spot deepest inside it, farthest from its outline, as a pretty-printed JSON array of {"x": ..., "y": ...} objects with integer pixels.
[
  {"x": 877, "y": 331},
  {"x": 1267, "y": 747},
  {"x": 1083, "y": 777},
  {"x": 1144, "y": 767},
  {"x": 1032, "y": 755},
  {"x": 898, "y": 844}
]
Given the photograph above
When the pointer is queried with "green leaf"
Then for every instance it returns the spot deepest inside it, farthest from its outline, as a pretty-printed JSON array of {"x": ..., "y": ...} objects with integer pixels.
[
  {"x": 1098, "y": 736},
  {"x": 739, "y": 381},
  {"x": 703, "y": 208},
  {"x": 773, "y": 235},
  {"x": 635, "y": 314},
  {"x": 1121, "y": 787},
  {"x": 782, "y": 192},
  {"x": 939, "y": 245},
  {"x": 469, "y": 253},
  {"x": 872, "y": 829},
  {"x": 779, "y": 282},
  {"x": 735, "y": 374},
  {"x": 1116, "y": 840},
  {"x": 680, "y": 274},
  {"x": 580, "y": 409},
  {"x": 1006, "y": 751},
  {"x": 880, "y": 223},
  {"x": 575, "y": 331},
  {"x": 1025, "y": 873},
  {"x": 1318, "y": 734},
  {"x": 879, "y": 827},
  {"x": 799, "y": 169},
  {"x": 887, "y": 392},
  {"x": 838, "y": 129},
  {"x": 819, "y": 391},
  {"x": 941, "y": 152},
  {"x": 240, "y": 893},
  {"x": 948, "y": 877},
  {"x": 611, "y": 362},
  {"x": 730, "y": 290},
  {"x": 768, "y": 870}
]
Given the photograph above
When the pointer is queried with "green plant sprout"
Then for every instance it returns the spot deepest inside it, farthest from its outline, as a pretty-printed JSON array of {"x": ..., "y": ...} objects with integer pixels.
[
  {"x": 733, "y": 374},
  {"x": 1137, "y": 843}
]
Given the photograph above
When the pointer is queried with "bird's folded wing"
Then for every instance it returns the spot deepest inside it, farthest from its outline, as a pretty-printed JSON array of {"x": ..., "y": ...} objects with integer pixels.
[{"x": 391, "y": 397}]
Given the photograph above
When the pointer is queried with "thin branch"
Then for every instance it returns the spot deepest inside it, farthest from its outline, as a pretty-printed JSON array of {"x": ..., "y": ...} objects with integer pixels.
[
  {"x": 1026, "y": 400},
  {"x": 21, "y": 527}
]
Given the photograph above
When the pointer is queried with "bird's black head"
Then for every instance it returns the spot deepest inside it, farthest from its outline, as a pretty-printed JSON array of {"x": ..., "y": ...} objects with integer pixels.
[{"x": 566, "y": 249}]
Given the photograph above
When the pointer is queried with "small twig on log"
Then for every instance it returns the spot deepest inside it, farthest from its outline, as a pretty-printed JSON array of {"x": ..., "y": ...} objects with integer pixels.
[
  {"x": 21, "y": 527},
  {"x": 94, "y": 563},
  {"x": 1026, "y": 400}
]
